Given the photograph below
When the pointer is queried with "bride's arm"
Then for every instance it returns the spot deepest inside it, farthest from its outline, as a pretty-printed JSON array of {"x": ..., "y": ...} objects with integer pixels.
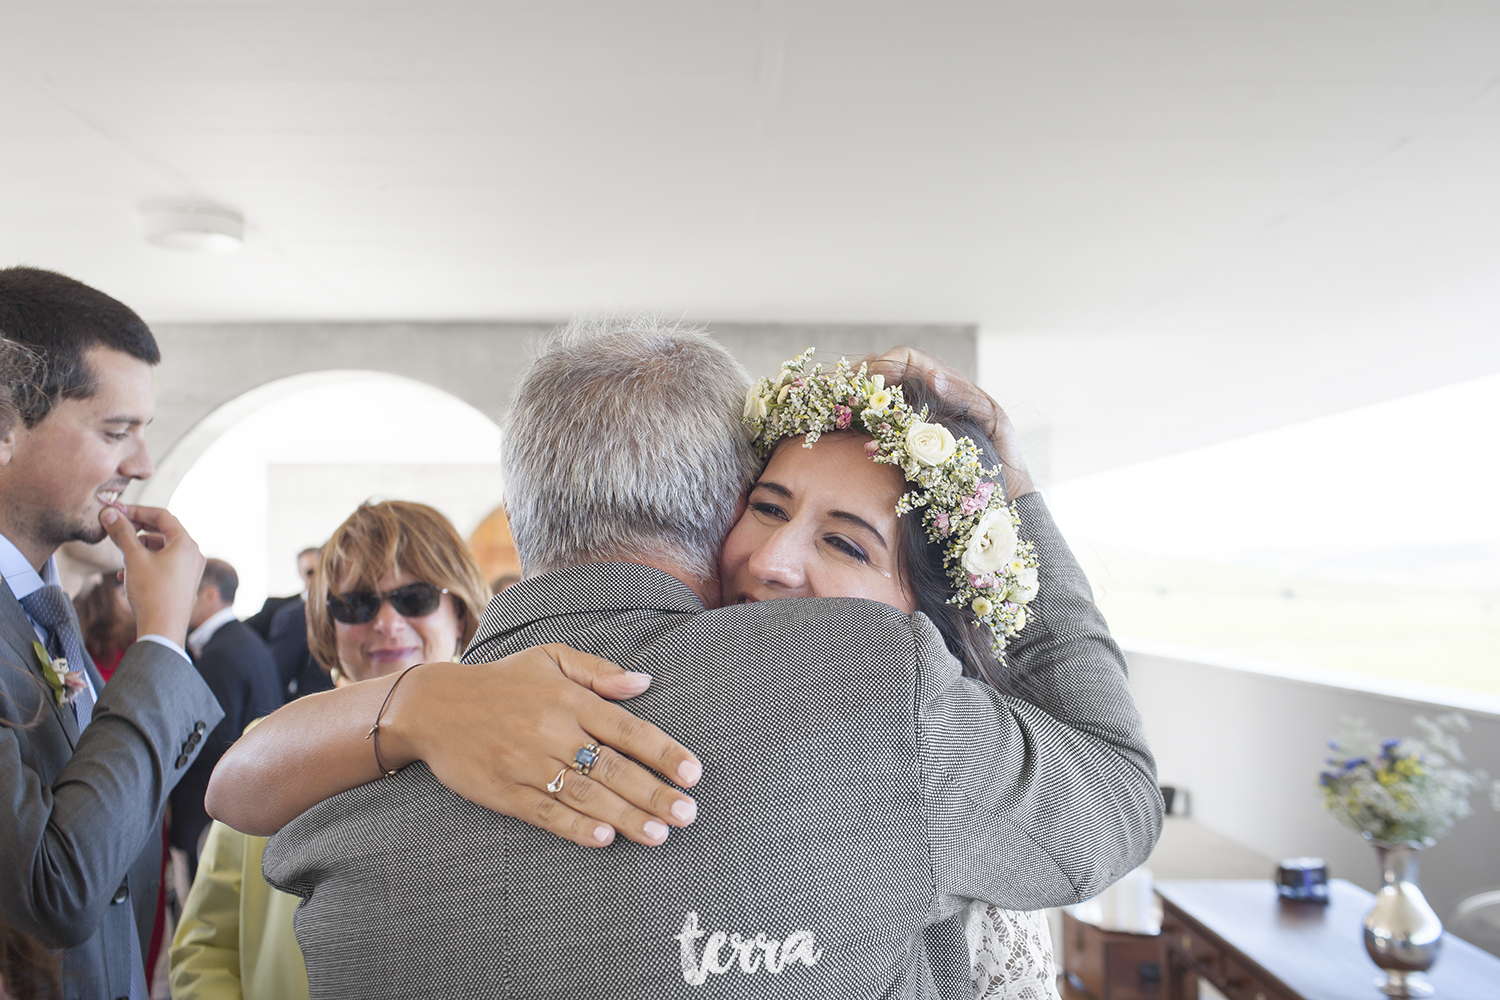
[{"x": 501, "y": 731}]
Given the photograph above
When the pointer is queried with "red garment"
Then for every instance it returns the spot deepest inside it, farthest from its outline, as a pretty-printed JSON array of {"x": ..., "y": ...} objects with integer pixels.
[
  {"x": 159, "y": 925},
  {"x": 106, "y": 666}
]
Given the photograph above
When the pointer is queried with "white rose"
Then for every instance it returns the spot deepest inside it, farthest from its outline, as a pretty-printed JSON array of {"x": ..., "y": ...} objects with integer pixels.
[
  {"x": 982, "y": 606},
  {"x": 1025, "y": 587},
  {"x": 755, "y": 406},
  {"x": 992, "y": 545},
  {"x": 930, "y": 444}
]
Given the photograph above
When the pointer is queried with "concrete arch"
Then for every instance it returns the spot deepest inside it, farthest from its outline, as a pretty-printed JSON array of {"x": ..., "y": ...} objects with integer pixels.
[
  {"x": 173, "y": 466},
  {"x": 213, "y": 374}
]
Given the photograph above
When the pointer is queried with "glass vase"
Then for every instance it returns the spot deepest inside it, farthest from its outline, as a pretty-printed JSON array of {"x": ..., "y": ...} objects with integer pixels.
[{"x": 1402, "y": 933}]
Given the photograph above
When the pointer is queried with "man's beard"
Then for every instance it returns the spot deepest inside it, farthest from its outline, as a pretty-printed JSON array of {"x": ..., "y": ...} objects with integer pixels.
[{"x": 54, "y": 528}]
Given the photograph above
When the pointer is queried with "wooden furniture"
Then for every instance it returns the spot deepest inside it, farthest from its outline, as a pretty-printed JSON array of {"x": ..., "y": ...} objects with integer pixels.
[
  {"x": 1109, "y": 965},
  {"x": 1240, "y": 937}
]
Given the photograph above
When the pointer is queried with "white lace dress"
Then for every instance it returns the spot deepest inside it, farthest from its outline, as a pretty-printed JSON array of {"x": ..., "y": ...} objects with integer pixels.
[{"x": 1012, "y": 953}]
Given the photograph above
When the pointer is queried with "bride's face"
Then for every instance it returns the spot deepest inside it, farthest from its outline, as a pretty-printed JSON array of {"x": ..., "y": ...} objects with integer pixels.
[{"x": 821, "y": 522}]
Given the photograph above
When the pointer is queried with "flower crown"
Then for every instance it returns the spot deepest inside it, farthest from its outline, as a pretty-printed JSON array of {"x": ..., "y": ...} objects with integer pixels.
[{"x": 992, "y": 571}]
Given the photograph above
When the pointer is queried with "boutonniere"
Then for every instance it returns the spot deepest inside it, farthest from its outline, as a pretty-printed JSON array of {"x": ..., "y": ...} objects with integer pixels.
[{"x": 64, "y": 683}]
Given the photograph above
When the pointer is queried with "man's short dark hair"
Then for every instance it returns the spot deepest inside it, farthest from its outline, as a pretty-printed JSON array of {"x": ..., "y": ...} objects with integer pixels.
[
  {"x": 60, "y": 320},
  {"x": 222, "y": 577}
]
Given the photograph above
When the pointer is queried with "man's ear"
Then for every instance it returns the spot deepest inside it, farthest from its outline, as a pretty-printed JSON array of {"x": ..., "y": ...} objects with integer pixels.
[{"x": 7, "y": 446}]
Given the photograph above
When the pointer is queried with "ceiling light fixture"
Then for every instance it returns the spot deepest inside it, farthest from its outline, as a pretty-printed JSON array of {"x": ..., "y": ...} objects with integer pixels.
[{"x": 195, "y": 226}]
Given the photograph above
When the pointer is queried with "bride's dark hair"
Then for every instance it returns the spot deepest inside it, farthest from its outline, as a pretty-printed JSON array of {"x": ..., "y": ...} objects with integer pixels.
[{"x": 921, "y": 561}]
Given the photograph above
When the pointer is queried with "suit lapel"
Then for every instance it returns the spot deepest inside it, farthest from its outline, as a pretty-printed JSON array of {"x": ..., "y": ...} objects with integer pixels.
[{"x": 16, "y": 630}]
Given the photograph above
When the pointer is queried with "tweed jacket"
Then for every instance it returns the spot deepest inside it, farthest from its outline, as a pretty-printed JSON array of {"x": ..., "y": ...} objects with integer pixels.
[
  {"x": 858, "y": 792},
  {"x": 81, "y": 814}
]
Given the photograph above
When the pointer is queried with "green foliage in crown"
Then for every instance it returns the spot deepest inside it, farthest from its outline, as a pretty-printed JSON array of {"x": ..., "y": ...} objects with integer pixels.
[{"x": 993, "y": 572}]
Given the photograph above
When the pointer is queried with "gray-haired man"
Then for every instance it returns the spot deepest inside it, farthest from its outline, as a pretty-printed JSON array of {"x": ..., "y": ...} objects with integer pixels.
[{"x": 859, "y": 794}]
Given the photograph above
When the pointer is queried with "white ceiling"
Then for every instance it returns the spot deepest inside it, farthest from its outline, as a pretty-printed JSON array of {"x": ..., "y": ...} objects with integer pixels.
[{"x": 1217, "y": 216}]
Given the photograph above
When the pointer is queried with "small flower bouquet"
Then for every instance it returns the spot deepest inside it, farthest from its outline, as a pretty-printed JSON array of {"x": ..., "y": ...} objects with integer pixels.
[
  {"x": 1401, "y": 790},
  {"x": 65, "y": 683}
]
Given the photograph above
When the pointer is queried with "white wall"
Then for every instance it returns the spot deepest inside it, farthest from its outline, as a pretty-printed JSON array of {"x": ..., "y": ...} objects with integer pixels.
[{"x": 1248, "y": 744}]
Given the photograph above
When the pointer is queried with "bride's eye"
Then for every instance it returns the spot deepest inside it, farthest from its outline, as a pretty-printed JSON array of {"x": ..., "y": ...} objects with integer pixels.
[
  {"x": 847, "y": 547},
  {"x": 769, "y": 510}
]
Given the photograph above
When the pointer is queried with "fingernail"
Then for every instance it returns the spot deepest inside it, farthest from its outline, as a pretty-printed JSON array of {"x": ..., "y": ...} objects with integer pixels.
[
  {"x": 636, "y": 675},
  {"x": 686, "y": 810},
  {"x": 689, "y": 771},
  {"x": 655, "y": 830},
  {"x": 109, "y": 515},
  {"x": 604, "y": 834}
]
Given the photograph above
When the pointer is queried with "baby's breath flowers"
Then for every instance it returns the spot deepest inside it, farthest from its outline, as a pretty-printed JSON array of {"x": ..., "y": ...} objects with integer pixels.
[
  {"x": 1402, "y": 789},
  {"x": 963, "y": 505}
]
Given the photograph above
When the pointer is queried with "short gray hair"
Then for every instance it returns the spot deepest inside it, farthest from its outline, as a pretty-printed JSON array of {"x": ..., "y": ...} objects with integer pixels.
[{"x": 624, "y": 442}]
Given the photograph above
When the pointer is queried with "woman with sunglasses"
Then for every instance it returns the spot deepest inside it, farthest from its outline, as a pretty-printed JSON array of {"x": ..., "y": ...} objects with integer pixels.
[{"x": 395, "y": 586}]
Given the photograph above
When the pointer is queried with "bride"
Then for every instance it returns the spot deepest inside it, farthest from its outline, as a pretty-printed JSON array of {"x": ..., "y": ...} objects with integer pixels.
[
  {"x": 845, "y": 507},
  {"x": 822, "y": 521}
]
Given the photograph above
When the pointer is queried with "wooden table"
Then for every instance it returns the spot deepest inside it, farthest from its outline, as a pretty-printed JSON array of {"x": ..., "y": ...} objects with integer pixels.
[{"x": 1251, "y": 946}]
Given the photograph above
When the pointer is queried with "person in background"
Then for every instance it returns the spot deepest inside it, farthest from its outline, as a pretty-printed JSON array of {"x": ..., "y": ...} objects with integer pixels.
[
  {"x": 85, "y": 770},
  {"x": 238, "y": 669},
  {"x": 300, "y": 673},
  {"x": 107, "y": 623},
  {"x": 307, "y": 561},
  {"x": 398, "y": 586}
]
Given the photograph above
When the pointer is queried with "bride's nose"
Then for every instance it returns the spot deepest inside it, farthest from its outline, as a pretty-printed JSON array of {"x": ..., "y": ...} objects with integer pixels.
[{"x": 779, "y": 562}]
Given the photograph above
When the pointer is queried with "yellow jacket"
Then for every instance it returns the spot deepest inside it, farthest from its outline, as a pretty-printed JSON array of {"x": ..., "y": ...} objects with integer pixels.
[{"x": 236, "y": 939}]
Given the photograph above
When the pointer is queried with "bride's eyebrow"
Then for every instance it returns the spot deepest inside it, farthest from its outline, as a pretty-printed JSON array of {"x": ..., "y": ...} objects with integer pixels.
[
  {"x": 844, "y": 515},
  {"x": 776, "y": 488}
]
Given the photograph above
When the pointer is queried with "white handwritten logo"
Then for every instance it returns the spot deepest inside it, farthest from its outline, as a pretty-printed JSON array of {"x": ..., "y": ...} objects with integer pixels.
[{"x": 722, "y": 952}]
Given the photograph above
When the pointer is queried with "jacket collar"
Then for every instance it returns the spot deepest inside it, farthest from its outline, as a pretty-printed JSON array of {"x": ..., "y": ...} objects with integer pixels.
[
  {"x": 17, "y": 632},
  {"x": 584, "y": 588}
]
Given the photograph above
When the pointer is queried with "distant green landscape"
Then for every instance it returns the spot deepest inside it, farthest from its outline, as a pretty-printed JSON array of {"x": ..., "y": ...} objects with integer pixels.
[{"x": 1437, "y": 636}]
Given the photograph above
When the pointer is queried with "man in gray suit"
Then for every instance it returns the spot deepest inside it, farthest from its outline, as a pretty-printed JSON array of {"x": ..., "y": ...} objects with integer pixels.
[
  {"x": 85, "y": 770},
  {"x": 859, "y": 791}
]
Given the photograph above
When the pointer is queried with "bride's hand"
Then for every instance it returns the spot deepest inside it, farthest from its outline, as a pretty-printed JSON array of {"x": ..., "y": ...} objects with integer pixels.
[
  {"x": 901, "y": 361},
  {"x": 497, "y": 733}
]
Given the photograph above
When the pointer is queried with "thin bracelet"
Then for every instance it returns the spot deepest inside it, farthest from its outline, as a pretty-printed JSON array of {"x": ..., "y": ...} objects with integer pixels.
[{"x": 375, "y": 729}]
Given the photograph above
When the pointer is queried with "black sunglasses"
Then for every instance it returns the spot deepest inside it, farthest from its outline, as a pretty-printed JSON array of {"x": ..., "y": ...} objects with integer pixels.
[{"x": 415, "y": 600}]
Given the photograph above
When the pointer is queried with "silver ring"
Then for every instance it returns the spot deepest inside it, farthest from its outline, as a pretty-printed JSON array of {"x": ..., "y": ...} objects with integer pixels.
[
  {"x": 555, "y": 785},
  {"x": 583, "y": 760}
]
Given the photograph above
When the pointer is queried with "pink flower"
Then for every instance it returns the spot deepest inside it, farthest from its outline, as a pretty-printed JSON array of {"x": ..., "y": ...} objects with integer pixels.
[
  {"x": 842, "y": 416},
  {"x": 885, "y": 428},
  {"x": 985, "y": 491},
  {"x": 985, "y": 581},
  {"x": 940, "y": 519},
  {"x": 73, "y": 683},
  {"x": 872, "y": 448},
  {"x": 853, "y": 402},
  {"x": 970, "y": 504}
]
